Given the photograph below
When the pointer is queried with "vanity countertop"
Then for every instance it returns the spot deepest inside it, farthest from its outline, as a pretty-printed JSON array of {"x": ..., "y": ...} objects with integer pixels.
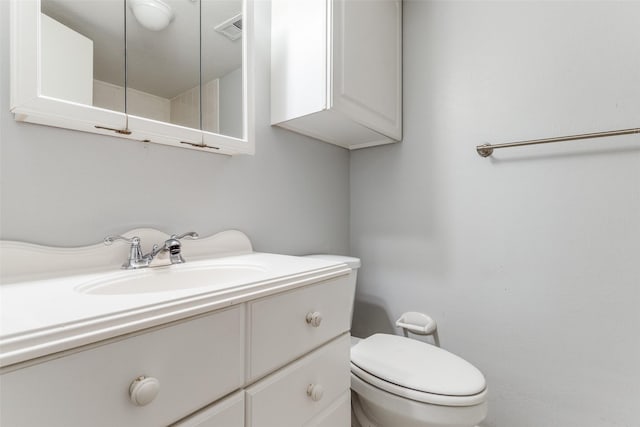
[{"x": 42, "y": 317}]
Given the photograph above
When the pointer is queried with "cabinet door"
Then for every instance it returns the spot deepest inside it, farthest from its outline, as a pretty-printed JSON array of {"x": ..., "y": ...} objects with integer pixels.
[
  {"x": 336, "y": 415},
  {"x": 280, "y": 330},
  {"x": 196, "y": 362},
  {"x": 367, "y": 61},
  {"x": 228, "y": 412},
  {"x": 69, "y": 70},
  {"x": 301, "y": 392}
]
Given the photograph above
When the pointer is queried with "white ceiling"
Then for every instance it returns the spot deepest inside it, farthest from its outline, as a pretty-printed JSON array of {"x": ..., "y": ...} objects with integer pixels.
[{"x": 164, "y": 63}]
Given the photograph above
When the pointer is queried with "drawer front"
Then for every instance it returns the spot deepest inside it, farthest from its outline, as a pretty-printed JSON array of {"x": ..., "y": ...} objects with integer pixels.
[
  {"x": 229, "y": 412},
  {"x": 290, "y": 397},
  {"x": 336, "y": 415},
  {"x": 195, "y": 362},
  {"x": 279, "y": 331}
]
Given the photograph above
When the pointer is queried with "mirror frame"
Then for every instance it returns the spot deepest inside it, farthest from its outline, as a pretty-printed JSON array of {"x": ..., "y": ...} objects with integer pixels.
[{"x": 28, "y": 104}]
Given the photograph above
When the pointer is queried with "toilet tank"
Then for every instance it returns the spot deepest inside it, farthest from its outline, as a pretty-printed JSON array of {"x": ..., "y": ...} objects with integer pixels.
[{"x": 353, "y": 263}]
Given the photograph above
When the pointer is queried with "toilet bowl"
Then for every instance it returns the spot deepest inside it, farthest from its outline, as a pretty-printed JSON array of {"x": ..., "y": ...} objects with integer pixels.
[
  {"x": 397, "y": 381},
  {"x": 401, "y": 382}
]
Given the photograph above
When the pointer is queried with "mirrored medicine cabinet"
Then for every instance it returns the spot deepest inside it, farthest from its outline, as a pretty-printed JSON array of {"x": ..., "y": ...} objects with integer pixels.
[{"x": 174, "y": 72}]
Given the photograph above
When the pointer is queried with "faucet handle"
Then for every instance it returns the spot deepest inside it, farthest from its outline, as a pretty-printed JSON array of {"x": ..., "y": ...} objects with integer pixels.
[
  {"x": 136, "y": 259},
  {"x": 135, "y": 240},
  {"x": 190, "y": 234}
]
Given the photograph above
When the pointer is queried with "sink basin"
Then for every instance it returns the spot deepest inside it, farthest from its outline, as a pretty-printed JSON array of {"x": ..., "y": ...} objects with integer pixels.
[{"x": 173, "y": 278}]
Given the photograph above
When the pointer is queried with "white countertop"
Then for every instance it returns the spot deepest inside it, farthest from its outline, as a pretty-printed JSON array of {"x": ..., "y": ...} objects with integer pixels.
[{"x": 41, "y": 317}]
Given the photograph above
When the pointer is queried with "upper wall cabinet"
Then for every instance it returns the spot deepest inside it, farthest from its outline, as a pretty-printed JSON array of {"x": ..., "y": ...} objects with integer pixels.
[
  {"x": 174, "y": 72},
  {"x": 336, "y": 70}
]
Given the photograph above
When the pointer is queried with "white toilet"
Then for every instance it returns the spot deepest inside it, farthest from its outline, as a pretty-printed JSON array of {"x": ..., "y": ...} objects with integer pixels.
[{"x": 401, "y": 382}]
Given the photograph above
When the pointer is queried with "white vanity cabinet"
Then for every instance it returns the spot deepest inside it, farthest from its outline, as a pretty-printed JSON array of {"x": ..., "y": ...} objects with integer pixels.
[
  {"x": 336, "y": 70},
  {"x": 281, "y": 360}
]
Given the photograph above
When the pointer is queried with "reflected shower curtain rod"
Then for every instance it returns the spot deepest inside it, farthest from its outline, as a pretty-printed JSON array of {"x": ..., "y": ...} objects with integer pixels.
[{"x": 486, "y": 150}]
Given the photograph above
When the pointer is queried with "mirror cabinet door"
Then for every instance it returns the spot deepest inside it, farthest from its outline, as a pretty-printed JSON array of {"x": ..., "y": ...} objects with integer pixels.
[
  {"x": 163, "y": 61},
  {"x": 175, "y": 72},
  {"x": 82, "y": 51},
  {"x": 222, "y": 76}
]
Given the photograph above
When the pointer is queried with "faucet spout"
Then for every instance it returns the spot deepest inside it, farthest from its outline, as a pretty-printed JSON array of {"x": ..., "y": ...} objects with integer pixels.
[{"x": 172, "y": 246}]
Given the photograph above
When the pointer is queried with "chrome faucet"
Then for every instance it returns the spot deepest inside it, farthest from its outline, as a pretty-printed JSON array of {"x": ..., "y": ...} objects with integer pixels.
[{"x": 138, "y": 260}]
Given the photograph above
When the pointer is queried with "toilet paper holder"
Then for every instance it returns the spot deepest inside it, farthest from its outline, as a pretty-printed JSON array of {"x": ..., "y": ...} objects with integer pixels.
[{"x": 419, "y": 324}]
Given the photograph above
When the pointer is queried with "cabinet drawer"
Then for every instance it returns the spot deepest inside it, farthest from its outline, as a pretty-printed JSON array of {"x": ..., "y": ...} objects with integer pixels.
[
  {"x": 195, "y": 362},
  {"x": 336, "y": 415},
  {"x": 229, "y": 412},
  {"x": 283, "y": 398},
  {"x": 279, "y": 331}
]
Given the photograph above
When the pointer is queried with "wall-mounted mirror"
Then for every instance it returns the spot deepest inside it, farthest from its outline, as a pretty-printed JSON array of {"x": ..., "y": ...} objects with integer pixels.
[
  {"x": 83, "y": 52},
  {"x": 176, "y": 72}
]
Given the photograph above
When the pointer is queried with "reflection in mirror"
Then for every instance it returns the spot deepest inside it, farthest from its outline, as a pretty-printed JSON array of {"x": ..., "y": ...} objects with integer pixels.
[
  {"x": 163, "y": 60},
  {"x": 222, "y": 67},
  {"x": 183, "y": 59},
  {"x": 82, "y": 52}
]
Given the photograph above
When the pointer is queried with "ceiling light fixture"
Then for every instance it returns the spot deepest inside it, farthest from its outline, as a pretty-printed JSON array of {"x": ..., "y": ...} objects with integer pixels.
[{"x": 154, "y": 15}]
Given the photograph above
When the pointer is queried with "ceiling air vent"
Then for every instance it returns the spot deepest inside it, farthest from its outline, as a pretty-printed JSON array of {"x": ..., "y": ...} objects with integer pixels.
[{"x": 231, "y": 28}]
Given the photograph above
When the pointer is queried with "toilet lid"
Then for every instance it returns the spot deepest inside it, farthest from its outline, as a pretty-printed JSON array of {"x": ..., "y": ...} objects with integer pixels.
[{"x": 416, "y": 365}]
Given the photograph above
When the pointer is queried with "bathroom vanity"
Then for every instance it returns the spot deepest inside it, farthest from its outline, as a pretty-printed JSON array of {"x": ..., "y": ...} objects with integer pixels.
[{"x": 229, "y": 338}]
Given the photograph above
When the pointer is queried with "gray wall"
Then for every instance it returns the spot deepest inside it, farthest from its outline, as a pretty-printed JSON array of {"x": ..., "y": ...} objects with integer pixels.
[
  {"x": 528, "y": 261},
  {"x": 71, "y": 188}
]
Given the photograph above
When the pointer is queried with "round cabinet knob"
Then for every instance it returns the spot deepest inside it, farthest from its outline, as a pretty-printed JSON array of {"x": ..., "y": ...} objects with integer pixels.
[
  {"x": 314, "y": 318},
  {"x": 143, "y": 390},
  {"x": 315, "y": 392}
]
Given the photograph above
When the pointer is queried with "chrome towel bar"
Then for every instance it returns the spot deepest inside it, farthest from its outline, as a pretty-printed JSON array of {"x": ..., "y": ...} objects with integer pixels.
[{"x": 486, "y": 150}]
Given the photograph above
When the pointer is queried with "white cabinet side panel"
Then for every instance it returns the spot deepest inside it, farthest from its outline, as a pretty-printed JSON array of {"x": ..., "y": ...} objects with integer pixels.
[
  {"x": 367, "y": 55},
  {"x": 298, "y": 58}
]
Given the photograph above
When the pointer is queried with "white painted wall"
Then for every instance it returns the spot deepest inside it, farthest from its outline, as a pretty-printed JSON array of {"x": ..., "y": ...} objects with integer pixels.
[
  {"x": 231, "y": 103},
  {"x": 142, "y": 104},
  {"x": 530, "y": 261},
  {"x": 108, "y": 96},
  {"x": 210, "y": 106},
  {"x": 67, "y": 188},
  {"x": 185, "y": 108}
]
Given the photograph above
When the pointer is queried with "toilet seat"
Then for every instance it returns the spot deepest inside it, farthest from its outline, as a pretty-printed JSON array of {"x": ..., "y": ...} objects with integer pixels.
[
  {"x": 418, "y": 396},
  {"x": 417, "y": 371}
]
